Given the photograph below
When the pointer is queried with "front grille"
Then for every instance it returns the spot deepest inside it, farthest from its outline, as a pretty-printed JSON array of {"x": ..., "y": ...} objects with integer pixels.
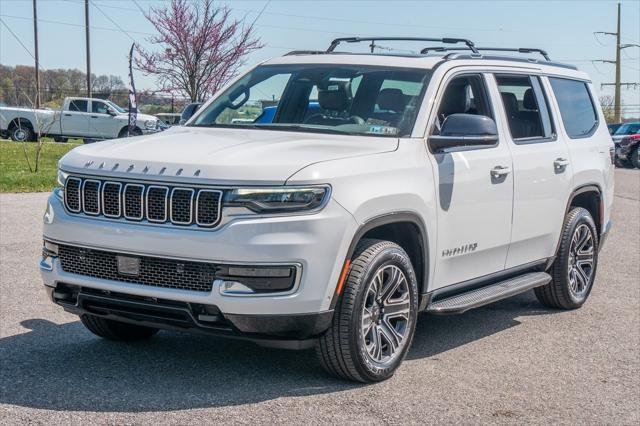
[
  {"x": 157, "y": 204},
  {"x": 153, "y": 271}
]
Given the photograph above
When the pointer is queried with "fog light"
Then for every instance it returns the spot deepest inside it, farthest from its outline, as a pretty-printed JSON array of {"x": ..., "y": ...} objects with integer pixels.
[
  {"x": 234, "y": 280},
  {"x": 231, "y": 288},
  {"x": 49, "y": 248},
  {"x": 237, "y": 271}
]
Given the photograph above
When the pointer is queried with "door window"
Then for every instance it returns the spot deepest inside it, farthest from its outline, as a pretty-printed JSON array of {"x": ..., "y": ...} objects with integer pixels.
[
  {"x": 78, "y": 105},
  {"x": 576, "y": 107},
  {"x": 466, "y": 94},
  {"x": 526, "y": 107},
  {"x": 99, "y": 107}
]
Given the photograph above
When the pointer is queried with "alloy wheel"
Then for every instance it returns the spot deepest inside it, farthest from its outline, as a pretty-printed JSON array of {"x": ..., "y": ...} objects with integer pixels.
[{"x": 581, "y": 260}]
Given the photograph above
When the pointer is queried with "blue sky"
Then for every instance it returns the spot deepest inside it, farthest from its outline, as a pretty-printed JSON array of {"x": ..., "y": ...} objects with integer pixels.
[{"x": 564, "y": 28}]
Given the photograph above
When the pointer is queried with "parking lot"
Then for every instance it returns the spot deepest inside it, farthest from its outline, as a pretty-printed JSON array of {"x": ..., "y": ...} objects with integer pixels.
[{"x": 511, "y": 362}]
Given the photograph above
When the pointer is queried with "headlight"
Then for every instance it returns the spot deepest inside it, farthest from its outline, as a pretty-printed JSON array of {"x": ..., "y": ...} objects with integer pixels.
[
  {"x": 62, "y": 178},
  {"x": 151, "y": 124},
  {"x": 277, "y": 200}
]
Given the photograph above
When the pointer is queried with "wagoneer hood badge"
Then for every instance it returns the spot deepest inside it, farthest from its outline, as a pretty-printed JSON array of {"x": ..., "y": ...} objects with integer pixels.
[{"x": 223, "y": 156}]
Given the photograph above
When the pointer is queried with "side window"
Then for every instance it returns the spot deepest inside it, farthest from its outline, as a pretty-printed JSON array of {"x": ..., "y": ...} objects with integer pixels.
[
  {"x": 525, "y": 106},
  {"x": 78, "y": 105},
  {"x": 466, "y": 94},
  {"x": 99, "y": 107},
  {"x": 576, "y": 107}
]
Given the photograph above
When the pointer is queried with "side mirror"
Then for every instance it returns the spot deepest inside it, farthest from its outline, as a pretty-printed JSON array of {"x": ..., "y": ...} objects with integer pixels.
[
  {"x": 462, "y": 130},
  {"x": 111, "y": 112},
  {"x": 182, "y": 121}
]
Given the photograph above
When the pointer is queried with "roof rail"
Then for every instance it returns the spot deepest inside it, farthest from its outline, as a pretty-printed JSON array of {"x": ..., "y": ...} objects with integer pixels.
[
  {"x": 494, "y": 49},
  {"x": 305, "y": 52},
  {"x": 445, "y": 40}
]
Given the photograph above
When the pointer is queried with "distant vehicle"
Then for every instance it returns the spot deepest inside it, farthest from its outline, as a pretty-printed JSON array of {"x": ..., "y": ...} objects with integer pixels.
[
  {"x": 188, "y": 111},
  {"x": 627, "y": 152},
  {"x": 626, "y": 129},
  {"x": 613, "y": 127},
  {"x": 269, "y": 113},
  {"x": 169, "y": 118},
  {"x": 85, "y": 118}
]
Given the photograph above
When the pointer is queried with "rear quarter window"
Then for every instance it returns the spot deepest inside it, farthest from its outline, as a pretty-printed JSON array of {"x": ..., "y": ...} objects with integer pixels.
[{"x": 576, "y": 107}]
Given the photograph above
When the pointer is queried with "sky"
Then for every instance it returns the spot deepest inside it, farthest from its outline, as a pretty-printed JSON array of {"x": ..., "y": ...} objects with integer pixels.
[{"x": 563, "y": 28}]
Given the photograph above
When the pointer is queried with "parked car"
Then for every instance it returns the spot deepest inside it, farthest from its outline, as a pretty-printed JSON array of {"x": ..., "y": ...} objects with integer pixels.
[
  {"x": 188, "y": 111},
  {"x": 628, "y": 152},
  {"x": 86, "y": 118},
  {"x": 613, "y": 127},
  {"x": 169, "y": 119},
  {"x": 626, "y": 129},
  {"x": 422, "y": 183}
]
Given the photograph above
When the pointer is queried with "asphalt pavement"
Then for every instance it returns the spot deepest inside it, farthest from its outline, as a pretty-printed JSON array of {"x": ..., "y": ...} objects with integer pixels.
[{"x": 512, "y": 362}]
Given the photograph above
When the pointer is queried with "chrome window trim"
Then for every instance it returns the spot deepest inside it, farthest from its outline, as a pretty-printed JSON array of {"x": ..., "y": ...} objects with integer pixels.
[
  {"x": 146, "y": 201},
  {"x": 120, "y": 198},
  {"x": 84, "y": 209},
  {"x": 124, "y": 202},
  {"x": 79, "y": 180},
  {"x": 172, "y": 220},
  {"x": 197, "y": 203}
]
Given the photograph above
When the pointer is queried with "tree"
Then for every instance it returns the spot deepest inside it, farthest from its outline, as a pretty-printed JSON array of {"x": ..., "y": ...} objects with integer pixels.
[
  {"x": 607, "y": 104},
  {"x": 201, "y": 47}
]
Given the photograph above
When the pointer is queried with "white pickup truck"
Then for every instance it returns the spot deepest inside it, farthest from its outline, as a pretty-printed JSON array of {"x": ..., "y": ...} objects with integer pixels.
[{"x": 84, "y": 118}]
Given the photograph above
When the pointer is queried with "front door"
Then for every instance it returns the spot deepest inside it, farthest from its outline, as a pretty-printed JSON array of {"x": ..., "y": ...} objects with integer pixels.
[
  {"x": 75, "y": 120},
  {"x": 102, "y": 124},
  {"x": 475, "y": 191},
  {"x": 542, "y": 170}
]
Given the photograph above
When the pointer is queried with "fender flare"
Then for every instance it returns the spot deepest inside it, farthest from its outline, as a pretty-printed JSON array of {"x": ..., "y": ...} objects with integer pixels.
[{"x": 386, "y": 219}]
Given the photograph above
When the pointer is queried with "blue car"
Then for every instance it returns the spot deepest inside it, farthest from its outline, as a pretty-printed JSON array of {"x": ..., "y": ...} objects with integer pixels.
[{"x": 270, "y": 112}]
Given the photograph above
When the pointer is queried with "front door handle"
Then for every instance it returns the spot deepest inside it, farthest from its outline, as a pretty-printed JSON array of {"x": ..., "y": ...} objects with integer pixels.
[
  {"x": 560, "y": 163},
  {"x": 94, "y": 116},
  {"x": 500, "y": 171},
  {"x": 67, "y": 115}
]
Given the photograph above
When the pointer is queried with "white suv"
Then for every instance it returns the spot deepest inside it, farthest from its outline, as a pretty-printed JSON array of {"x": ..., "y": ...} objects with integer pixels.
[{"x": 325, "y": 199}]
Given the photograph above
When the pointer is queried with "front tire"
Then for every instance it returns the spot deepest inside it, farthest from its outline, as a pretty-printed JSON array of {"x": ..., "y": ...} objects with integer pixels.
[
  {"x": 574, "y": 269},
  {"x": 116, "y": 330},
  {"x": 375, "y": 318},
  {"x": 634, "y": 158}
]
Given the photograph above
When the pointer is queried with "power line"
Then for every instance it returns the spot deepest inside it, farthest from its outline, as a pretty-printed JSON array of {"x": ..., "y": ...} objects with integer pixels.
[
  {"x": 112, "y": 21},
  {"x": 70, "y": 24}
]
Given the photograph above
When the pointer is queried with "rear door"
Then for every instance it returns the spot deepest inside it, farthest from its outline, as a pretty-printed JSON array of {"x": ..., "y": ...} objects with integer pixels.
[
  {"x": 75, "y": 119},
  {"x": 542, "y": 170},
  {"x": 474, "y": 205}
]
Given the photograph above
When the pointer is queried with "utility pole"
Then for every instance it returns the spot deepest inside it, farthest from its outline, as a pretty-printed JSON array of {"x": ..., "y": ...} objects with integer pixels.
[
  {"x": 616, "y": 96},
  {"x": 617, "y": 108},
  {"x": 35, "y": 41},
  {"x": 86, "y": 20}
]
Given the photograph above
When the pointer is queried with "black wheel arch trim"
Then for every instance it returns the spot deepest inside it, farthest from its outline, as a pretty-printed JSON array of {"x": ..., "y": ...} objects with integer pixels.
[{"x": 386, "y": 219}]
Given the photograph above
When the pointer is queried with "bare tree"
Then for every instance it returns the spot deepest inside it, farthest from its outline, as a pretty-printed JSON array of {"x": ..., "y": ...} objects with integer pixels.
[
  {"x": 607, "y": 103},
  {"x": 201, "y": 47}
]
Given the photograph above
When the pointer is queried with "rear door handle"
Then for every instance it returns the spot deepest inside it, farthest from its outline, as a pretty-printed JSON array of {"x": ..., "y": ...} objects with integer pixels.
[
  {"x": 560, "y": 163},
  {"x": 67, "y": 115},
  {"x": 94, "y": 116},
  {"x": 499, "y": 171}
]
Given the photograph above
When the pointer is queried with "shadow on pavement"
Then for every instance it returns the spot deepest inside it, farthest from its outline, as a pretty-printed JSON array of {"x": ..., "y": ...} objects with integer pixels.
[{"x": 64, "y": 367}]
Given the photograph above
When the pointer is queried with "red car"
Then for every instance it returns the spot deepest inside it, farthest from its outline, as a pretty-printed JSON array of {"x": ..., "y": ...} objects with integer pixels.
[{"x": 627, "y": 153}]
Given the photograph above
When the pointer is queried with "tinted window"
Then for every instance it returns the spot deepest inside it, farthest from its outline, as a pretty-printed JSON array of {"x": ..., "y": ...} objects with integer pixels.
[
  {"x": 525, "y": 107},
  {"x": 78, "y": 105},
  {"x": 576, "y": 106},
  {"x": 628, "y": 129},
  {"x": 99, "y": 107}
]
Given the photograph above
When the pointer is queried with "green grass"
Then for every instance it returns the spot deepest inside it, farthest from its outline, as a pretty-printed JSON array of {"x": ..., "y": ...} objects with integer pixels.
[{"x": 14, "y": 170}]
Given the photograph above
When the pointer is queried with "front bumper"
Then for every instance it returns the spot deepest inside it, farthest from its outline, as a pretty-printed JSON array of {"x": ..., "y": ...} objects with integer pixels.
[{"x": 317, "y": 242}]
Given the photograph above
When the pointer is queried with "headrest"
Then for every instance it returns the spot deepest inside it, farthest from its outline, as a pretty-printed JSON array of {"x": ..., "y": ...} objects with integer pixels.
[
  {"x": 391, "y": 100},
  {"x": 529, "y": 100},
  {"x": 336, "y": 96},
  {"x": 510, "y": 103},
  {"x": 456, "y": 99}
]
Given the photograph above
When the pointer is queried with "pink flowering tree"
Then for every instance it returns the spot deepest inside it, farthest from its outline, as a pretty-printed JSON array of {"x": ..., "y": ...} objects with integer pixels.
[{"x": 200, "y": 47}]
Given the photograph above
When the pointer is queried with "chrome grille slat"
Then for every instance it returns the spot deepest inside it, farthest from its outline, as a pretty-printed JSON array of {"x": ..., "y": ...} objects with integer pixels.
[
  {"x": 144, "y": 202},
  {"x": 111, "y": 203},
  {"x": 91, "y": 196},
  {"x": 181, "y": 201}
]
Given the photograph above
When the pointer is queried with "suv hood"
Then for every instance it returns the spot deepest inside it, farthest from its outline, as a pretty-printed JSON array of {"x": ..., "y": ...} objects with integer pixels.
[{"x": 221, "y": 156}]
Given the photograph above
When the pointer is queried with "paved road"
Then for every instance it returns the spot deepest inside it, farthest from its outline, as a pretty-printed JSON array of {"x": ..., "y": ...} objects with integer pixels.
[{"x": 512, "y": 362}]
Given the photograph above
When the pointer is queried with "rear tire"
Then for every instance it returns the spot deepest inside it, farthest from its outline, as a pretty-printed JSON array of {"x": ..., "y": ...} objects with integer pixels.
[
  {"x": 574, "y": 268},
  {"x": 375, "y": 318},
  {"x": 60, "y": 139},
  {"x": 116, "y": 330},
  {"x": 21, "y": 133}
]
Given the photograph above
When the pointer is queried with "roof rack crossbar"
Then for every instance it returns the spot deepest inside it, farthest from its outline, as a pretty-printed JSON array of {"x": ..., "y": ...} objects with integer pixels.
[
  {"x": 495, "y": 49},
  {"x": 447, "y": 40}
]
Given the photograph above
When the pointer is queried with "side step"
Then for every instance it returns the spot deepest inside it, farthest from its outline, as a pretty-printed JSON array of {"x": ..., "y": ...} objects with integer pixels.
[{"x": 489, "y": 294}]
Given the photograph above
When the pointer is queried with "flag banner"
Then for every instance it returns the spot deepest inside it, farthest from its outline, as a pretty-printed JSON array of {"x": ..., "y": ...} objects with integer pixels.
[{"x": 133, "y": 105}]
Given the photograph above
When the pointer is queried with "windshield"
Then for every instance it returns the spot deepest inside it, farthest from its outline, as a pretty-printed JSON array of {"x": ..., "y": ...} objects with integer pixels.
[
  {"x": 628, "y": 129},
  {"x": 116, "y": 107},
  {"x": 349, "y": 99}
]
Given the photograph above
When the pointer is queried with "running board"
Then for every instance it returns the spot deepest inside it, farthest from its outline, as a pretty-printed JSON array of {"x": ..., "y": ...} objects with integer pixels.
[{"x": 489, "y": 294}]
